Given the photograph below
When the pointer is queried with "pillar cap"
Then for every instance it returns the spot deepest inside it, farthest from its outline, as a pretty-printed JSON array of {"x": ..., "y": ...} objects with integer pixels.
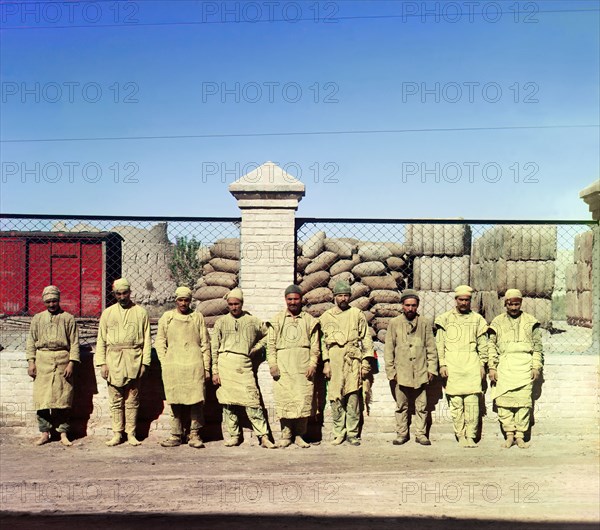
[
  {"x": 591, "y": 196},
  {"x": 267, "y": 178}
]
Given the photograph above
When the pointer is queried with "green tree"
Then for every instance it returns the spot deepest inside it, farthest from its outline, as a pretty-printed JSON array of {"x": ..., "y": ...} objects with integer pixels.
[{"x": 185, "y": 267}]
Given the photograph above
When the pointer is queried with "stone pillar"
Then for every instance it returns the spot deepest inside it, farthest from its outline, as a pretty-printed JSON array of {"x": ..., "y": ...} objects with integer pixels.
[
  {"x": 268, "y": 199},
  {"x": 591, "y": 196}
]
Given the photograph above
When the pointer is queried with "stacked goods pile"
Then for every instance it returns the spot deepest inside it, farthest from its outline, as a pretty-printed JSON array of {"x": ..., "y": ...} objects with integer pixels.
[
  {"x": 220, "y": 268},
  {"x": 441, "y": 263},
  {"x": 519, "y": 257},
  {"x": 376, "y": 272},
  {"x": 579, "y": 282}
]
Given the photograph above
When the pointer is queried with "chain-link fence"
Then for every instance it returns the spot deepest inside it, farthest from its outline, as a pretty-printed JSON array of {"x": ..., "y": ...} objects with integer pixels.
[
  {"x": 83, "y": 256},
  {"x": 550, "y": 262}
]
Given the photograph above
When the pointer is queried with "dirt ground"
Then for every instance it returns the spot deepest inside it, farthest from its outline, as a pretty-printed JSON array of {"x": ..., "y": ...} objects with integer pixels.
[{"x": 553, "y": 484}]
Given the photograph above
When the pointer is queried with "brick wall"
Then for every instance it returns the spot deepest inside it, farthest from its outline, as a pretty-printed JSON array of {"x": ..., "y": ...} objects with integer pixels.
[{"x": 568, "y": 404}]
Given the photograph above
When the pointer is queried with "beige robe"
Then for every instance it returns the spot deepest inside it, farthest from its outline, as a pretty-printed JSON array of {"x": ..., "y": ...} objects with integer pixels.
[
  {"x": 347, "y": 345},
  {"x": 293, "y": 347},
  {"x": 515, "y": 347},
  {"x": 409, "y": 351},
  {"x": 461, "y": 341},
  {"x": 52, "y": 342},
  {"x": 183, "y": 348},
  {"x": 234, "y": 342},
  {"x": 124, "y": 343}
]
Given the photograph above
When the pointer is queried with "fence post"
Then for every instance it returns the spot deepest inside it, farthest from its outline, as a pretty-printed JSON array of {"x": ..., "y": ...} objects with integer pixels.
[
  {"x": 268, "y": 199},
  {"x": 591, "y": 196}
]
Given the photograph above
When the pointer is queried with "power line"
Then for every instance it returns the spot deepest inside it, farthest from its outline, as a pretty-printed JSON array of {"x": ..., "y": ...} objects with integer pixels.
[
  {"x": 332, "y": 20},
  {"x": 297, "y": 133}
]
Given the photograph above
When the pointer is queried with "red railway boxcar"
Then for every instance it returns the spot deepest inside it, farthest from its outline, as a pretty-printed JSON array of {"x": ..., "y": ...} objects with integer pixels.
[{"x": 81, "y": 264}]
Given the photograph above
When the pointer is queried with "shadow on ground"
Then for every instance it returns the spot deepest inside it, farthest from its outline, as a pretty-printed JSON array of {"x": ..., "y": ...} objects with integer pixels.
[{"x": 134, "y": 521}]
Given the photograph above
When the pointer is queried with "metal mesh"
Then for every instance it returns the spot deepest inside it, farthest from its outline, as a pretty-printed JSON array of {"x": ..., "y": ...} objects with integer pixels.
[
  {"x": 551, "y": 263},
  {"x": 83, "y": 256}
]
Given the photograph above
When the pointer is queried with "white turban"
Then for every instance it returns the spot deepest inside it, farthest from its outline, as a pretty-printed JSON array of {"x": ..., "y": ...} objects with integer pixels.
[
  {"x": 121, "y": 285},
  {"x": 51, "y": 293},
  {"x": 235, "y": 293},
  {"x": 183, "y": 292},
  {"x": 463, "y": 290},
  {"x": 513, "y": 293}
]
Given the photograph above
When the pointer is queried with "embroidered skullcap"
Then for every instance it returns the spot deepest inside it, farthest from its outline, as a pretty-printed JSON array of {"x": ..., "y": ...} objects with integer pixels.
[{"x": 342, "y": 287}]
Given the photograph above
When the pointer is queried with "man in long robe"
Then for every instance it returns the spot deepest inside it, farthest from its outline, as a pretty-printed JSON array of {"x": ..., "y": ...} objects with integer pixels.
[
  {"x": 183, "y": 348},
  {"x": 410, "y": 364},
  {"x": 123, "y": 352},
  {"x": 516, "y": 360},
  {"x": 461, "y": 341},
  {"x": 293, "y": 353},
  {"x": 237, "y": 338},
  {"x": 346, "y": 347},
  {"x": 52, "y": 351}
]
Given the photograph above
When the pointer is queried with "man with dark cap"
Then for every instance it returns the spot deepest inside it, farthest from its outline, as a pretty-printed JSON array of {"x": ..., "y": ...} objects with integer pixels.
[
  {"x": 123, "y": 352},
  {"x": 410, "y": 364},
  {"x": 293, "y": 352},
  {"x": 516, "y": 361},
  {"x": 346, "y": 347},
  {"x": 52, "y": 351}
]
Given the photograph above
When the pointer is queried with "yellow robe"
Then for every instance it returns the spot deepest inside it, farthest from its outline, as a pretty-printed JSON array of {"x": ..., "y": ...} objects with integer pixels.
[
  {"x": 461, "y": 342},
  {"x": 347, "y": 345},
  {"x": 183, "y": 348},
  {"x": 293, "y": 347},
  {"x": 234, "y": 342},
  {"x": 52, "y": 342},
  {"x": 124, "y": 343},
  {"x": 515, "y": 348}
]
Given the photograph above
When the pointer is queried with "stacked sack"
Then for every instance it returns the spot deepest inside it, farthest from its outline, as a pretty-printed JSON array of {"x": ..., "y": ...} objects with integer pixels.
[
  {"x": 579, "y": 282},
  {"x": 220, "y": 269},
  {"x": 376, "y": 273},
  {"x": 516, "y": 256},
  {"x": 441, "y": 262}
]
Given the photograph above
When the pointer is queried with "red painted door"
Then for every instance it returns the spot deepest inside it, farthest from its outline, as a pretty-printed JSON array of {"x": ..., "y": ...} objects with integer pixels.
[
  {"x": 12, "y": 276},
  {"x": 39, "y": 274},
  {"x": 92, "y": 285},
  {"x": 66, "y": 275}
]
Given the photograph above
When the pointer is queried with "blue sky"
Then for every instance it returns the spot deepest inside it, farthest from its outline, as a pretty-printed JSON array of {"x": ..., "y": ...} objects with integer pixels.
[{"x": 186, "y": 68}]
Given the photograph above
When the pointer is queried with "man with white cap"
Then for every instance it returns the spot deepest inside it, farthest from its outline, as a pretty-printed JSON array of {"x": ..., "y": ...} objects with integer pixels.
[
  {"x": 293, "y": 353},
  {"x": 516, "y": 360},
  {"x": 183, "y": 348},
  {"x": 410, "y": 365},
  {"x": 123, "y": 352},
  {"x": 461, "y": 341},
  {"x": 237, "y": 338},
  {"x": 52, "y": 351},
  {"x": 346, "y": 347}
]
